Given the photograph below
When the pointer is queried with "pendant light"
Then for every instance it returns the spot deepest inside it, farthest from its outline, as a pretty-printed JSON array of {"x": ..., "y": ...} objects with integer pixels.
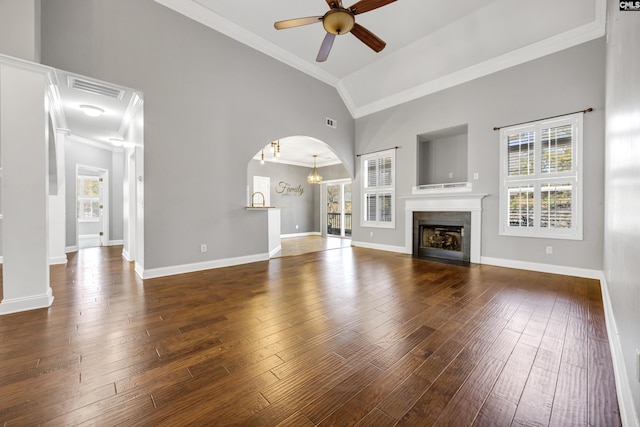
[{"x": 313, "y": 177}]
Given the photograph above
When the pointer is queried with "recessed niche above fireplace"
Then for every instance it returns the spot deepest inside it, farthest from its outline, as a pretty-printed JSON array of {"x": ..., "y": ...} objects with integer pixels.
[{"x": 442, "y": 156}]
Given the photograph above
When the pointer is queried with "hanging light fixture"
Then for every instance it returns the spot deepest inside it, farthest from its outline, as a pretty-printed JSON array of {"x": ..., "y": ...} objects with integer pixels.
[
  {"x": 313, "y": 177},
  {"x": 275, "y": 148},
  {"x": 262, "y": 157}
]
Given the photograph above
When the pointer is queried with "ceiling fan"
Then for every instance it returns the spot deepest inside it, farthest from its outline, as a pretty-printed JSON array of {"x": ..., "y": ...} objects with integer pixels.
[{"x": 341, "y": 20}]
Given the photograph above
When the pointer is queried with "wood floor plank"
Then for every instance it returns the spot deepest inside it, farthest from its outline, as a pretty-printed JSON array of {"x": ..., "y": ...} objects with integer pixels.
[{"x": 346, "y": 337}]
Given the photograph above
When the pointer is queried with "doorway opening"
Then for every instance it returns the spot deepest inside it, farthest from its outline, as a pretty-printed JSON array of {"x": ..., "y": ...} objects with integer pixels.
[
  {"x": 338, "y": 208},
  {"x": 92, "y": 207}
]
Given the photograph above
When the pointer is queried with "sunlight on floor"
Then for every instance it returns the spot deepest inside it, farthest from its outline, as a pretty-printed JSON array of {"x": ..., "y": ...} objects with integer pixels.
[{"x": 302, "y": 245}]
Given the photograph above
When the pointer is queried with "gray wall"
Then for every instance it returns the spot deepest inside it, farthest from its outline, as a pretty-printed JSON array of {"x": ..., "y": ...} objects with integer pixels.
[
  {"x": 622, "y": 172},
  {"x": 20, "y": 29},
  {"x": 210, "y": 104},
  {"x": 77, "y": 153},
  {"x": 298, "y": 207},
  {"x": 439, "y": 157},
  {"x": 557, "y": 84}
]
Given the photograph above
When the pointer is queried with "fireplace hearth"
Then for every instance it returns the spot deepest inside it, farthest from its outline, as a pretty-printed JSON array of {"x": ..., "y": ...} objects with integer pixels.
[{"x": 442, "y": 235}]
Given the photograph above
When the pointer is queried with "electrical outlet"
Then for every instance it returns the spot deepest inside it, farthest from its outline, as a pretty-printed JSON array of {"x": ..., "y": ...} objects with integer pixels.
[
  {"x": 476, "y": 175},
  {"x": 549, "y": 250},
  {"x": 297, "y": 226},
  {"x": 203, "y": 247},
  {"x": 371, "y": 234},
  {"x": 450, "y": 174}
]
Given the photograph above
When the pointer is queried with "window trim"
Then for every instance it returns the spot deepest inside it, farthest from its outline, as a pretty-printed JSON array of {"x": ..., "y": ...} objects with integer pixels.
[
  {"x": 378, "y": 190},
  {"x": 538, "y": 179}
]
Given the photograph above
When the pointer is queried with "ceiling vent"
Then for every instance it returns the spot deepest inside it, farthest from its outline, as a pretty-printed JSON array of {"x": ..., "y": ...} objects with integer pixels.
[{"x": 95, "y": 88}]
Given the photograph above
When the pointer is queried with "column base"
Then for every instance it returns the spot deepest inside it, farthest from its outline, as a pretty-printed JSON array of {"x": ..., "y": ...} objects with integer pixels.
[{"x": 16, "y": 305}]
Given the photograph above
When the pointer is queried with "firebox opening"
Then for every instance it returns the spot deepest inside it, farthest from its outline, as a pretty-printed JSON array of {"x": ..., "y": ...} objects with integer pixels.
[{"x": 443, "y": 237}]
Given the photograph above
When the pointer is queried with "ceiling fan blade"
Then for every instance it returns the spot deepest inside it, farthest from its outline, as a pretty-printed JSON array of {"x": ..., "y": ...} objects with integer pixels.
[
  {"x": 334, "y": 3},
  {"x": 368, "y": 38},
  {"x": 366, "y": 5},
  {"x": 297, "y": 22},
  {"x": 325, "y": 48}
]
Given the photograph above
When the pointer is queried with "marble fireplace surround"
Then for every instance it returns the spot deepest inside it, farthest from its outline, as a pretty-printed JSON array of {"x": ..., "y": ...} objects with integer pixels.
[{"x": 451, "y": 202}]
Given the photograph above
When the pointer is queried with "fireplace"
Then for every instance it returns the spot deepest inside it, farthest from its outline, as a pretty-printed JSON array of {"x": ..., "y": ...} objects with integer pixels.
[
  {"x": 442, "y": 235},
  {"x": 445, "y": 200}
]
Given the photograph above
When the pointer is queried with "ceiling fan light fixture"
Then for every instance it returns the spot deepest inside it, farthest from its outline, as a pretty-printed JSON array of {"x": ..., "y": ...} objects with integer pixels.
[
  {"x": 91, "y": 110},
  {"x": 338, "y": 21}
]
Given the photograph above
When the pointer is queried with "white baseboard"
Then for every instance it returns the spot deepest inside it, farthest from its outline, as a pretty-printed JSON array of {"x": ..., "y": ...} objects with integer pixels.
[
  {"x": 52, "y": 261},
  {"x": 310, "y": 233},
  {"x": 58, "y": 260},
  {"x": 543, "y": 268},
  {"x": 275, "y": 251},
  {"x": 16, "y": 305},
  {"x": 388, "y": 248},
  {"x": 115, "y": 243},
  {"x": 126, "y": 255},
  {"x": 199, "y": 266},
  {"x": 628, "y": 411},
  {"x": 71, "y": 249}
]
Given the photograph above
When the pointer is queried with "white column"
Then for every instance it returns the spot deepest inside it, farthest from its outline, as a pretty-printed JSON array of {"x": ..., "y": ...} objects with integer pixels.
[
  {"x": 57, "y": 208},
  {"x": 23, "y": 127}
]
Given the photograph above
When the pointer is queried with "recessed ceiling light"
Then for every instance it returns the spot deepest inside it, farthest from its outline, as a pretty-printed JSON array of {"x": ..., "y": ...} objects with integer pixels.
[{"x": 91, "y": 110}]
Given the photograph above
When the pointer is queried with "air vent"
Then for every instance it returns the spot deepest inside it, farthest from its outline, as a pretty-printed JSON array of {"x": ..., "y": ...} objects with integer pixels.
[
  {"x": 95, "y": 88},
  {"x": 332, "y": 123}
]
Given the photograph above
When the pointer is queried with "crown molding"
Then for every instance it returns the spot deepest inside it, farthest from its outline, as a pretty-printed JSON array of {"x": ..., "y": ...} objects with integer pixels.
[
  {"x": 95, "y": 144},
  {"x": 201, "y": 14},
  {"x": 537, "y": 50}
]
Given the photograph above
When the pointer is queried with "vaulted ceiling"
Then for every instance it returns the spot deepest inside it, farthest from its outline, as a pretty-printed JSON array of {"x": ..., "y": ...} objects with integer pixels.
[{"x": 431, "y": 44}]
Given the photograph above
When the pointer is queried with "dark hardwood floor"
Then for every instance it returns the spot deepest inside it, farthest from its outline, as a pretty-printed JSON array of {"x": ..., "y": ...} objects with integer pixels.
[{"x": 343, "y": 337}]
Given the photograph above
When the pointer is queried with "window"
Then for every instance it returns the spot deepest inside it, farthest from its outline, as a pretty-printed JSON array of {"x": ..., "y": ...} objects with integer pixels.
[
  {"x": 88, "y": 196},
  {"x": 378, "y": 189},
  {"x": 541, "y": 170}
]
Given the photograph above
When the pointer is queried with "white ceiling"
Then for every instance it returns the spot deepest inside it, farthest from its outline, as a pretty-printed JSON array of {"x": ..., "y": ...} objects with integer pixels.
[
  {"x": 431, "y": 45},
  {"x": 299, "y": 151},
  {"x": 105, "y": 130}
]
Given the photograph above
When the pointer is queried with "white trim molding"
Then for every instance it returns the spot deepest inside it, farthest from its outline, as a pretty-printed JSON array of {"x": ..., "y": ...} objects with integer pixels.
[
  {"x": 69, "y": 249},
  {"x": 453, "y": 202},
  {"x": 153, "y": 273},
  {"x": 311, "y": 233},
  {"x": 115, "y": 242},
  {"x": 379, "y": 247},
  {"x": 60, "y": 260},
  {"x": 542, "y": 268},
  {"x": 16, "y": 305},
  {"x": 628, "y": 409},
  {"x": 274, "y": 251}
]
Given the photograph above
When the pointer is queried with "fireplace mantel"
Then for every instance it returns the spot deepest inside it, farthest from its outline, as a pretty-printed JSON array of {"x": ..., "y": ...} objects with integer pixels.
[{"x": 460, "y": 202}]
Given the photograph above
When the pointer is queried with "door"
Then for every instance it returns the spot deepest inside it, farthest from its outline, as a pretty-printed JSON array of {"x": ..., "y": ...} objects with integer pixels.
[
  {"x": 261, "y": 195},
  {"x": 339, "y": 209},
  {"x": 92, "y": 211}
]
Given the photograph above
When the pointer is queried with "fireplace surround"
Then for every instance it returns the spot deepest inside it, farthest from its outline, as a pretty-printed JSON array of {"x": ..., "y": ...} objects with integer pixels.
[
  {"x": 447, "y": 202},
  {"x": 442, "y": 235}
]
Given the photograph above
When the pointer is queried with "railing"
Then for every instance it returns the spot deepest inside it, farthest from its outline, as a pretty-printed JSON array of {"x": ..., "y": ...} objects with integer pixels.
[{"x": 334, "y": 225}]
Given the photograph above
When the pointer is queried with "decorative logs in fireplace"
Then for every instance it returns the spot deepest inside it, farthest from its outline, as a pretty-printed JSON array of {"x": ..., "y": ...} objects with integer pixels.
[{"x": 442, "y": 235}]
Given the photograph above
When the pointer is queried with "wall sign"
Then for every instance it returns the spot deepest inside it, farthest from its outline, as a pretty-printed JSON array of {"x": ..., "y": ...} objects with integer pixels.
[{"x": 287, "y": 190}]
